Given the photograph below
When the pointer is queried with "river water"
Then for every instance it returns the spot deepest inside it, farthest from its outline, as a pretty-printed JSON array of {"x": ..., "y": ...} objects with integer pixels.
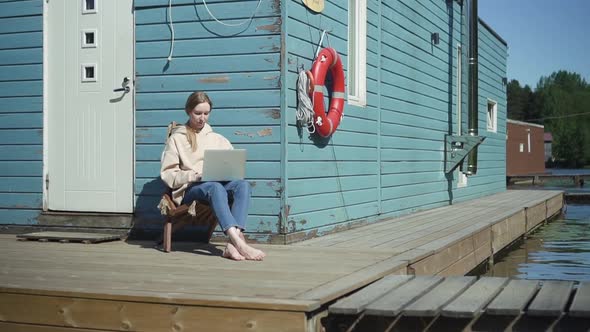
[{"x": 559, "y": 250}]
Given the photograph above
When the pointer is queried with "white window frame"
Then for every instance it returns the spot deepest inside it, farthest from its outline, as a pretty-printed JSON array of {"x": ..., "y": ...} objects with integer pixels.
[
  {"x": 357, "y": 57},
  {"x": 86, "y": 79},
  {"x": 83, "y": 36},
  {"x": 492, "y": 115},
  {"x": 89, "y": 11}
]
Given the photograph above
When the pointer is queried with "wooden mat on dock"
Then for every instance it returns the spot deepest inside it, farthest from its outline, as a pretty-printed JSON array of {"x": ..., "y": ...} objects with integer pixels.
[{"x": 66, "y": 237}]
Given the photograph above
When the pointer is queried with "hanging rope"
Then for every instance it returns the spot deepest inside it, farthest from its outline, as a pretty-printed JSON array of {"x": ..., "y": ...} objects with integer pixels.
[
  {"x": 320, "y": 43},
  {"x": 171, "y": 26},
  {"x": 229, "y": 24},
  {"x": 304, "y": 103}
]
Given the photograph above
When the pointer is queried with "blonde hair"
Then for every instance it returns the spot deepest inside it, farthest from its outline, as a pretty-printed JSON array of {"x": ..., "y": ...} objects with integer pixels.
[{"x": 196, "y": 98}]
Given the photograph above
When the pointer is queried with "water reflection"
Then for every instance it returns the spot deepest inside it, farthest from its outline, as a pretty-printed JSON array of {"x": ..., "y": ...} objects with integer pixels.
[{"x": 559, "y": 250}]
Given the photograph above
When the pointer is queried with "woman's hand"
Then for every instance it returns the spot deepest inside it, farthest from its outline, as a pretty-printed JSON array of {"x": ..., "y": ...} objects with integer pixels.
[{"x": 197, "y": 176}]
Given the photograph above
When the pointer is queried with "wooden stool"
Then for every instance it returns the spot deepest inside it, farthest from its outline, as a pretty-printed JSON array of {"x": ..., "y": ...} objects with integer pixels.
[{"x": 179, "y": 216}]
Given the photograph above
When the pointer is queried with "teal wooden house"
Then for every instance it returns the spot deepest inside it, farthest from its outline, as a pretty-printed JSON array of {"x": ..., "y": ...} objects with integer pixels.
[{"x": 88, "y": 87}]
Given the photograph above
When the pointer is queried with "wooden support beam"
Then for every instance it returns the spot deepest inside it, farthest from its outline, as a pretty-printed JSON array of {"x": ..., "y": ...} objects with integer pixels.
[{"x": 138, "y": 316}]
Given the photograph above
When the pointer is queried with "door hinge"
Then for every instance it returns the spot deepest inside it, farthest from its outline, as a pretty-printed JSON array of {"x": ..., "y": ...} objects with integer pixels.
[{"x": 47, "y": 182}]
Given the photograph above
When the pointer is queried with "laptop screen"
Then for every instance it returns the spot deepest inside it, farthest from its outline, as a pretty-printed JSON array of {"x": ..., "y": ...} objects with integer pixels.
[{"x": 224, "y": 165}]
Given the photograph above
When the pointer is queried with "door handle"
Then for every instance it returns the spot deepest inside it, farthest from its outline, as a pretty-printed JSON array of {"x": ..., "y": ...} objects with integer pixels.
[
  {"x": 125, "y": 86},
  {"x": 125, "y": 89}
]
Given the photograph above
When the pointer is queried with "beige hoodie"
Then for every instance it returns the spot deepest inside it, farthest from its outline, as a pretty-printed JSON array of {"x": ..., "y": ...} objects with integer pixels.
[{"x": 180, "y": 164}]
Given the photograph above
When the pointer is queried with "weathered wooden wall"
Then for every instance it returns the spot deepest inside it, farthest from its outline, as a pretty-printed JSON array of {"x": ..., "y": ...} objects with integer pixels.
[
  {"x": 333, "y": 181},
  {"x": 387, "y": 158},
  {"x": 21, "y": 111},
  {"x": 418, "y": 95},
  {"x": 237, "y": 66}
]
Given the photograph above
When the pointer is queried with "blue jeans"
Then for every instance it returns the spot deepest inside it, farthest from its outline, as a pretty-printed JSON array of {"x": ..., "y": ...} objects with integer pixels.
[{"x": 216, "y": 194}]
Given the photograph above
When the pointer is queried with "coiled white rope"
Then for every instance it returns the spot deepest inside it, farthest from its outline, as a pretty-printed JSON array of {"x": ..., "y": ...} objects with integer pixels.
[
  {"x": 232, "y": 25},
  {"x": 305, "y": 112}
]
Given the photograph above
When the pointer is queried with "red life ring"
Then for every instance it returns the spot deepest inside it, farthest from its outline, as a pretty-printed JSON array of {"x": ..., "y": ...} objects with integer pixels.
[{"x": 328, "y": 59}]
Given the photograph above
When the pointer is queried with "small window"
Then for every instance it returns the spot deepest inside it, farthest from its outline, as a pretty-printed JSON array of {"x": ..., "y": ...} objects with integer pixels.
[
  {"x": 521, "y": 147},
  {"x": 89, "y": 73},
  {"x": 492, "y": 117},
  {"x": 88, "y": 6},
  {"x": 88, "y": 38},
  {"x": 357, "y": 52}
]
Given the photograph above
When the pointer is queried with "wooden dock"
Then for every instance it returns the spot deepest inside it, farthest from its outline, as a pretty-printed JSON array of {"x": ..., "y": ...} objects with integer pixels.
[
  {"x": 118, "y": 286},
  {"x": 454, "y": 239},
  {"x": 434, "y": 303},
  {"x": 577, "y": 180}
]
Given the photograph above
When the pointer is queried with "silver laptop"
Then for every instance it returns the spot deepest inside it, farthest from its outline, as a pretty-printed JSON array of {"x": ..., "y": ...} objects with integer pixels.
[{"x": 224, "y": 165}]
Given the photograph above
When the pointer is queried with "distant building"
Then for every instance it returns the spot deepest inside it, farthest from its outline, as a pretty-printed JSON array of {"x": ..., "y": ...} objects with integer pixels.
[
  {"x": 548, "y": 138},
  {"x": 525, "y": 149}
]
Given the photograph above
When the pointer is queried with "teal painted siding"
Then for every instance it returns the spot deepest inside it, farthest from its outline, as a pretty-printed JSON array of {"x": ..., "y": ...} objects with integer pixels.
[
  {"x": 333, "y": 181},
  {"x": 21, "y": 111},
  {"x": 239, "y": 67},
  {"x": 386, "y": 159},
  {"x": 418, "y": 94},
  {"x": 491, "y": 175}
]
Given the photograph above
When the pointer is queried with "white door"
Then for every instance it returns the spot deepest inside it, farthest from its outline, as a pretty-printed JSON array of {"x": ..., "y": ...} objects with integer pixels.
[{"x": 90, "y": 127}]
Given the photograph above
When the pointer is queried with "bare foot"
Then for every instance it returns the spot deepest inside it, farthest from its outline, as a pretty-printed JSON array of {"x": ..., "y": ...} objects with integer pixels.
[
  {"x": 231, "y": 252},
  {"x": 250, "y": 253},
  {"x": 237, "y": 239},
  {"x": 259, "y": 252}
]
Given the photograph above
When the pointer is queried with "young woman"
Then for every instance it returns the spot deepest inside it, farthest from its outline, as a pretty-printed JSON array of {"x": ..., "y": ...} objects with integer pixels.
[{"x": 182, "y": 164}]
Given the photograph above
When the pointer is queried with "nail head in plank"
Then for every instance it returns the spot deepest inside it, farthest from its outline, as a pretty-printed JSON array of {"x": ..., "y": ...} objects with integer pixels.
[
  {"x": 581, "y": 305},
  {"x": 551, "y": 299},
  {"x": 392, "y": 303},
  {"x": 471, "y": 302},
  {"x": 357, "y": 302},
  {"x": 513, "y": 298},
  {"x": 429, "y": 305}
]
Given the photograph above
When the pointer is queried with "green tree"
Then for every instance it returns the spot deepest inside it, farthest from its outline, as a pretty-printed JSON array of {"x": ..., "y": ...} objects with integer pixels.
[
  {"x": 521, "y": 102},
  {"x": 564, "y": 100},
  {"x": 515, "y": 106}
]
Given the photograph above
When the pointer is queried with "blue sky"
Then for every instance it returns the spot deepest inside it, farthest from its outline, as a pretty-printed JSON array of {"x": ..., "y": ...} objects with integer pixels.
[{"x": 543, "y": 36}]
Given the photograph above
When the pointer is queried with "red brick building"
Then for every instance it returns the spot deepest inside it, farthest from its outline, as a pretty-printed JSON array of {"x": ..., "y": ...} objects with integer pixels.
[{"x": 525, "y": 148}]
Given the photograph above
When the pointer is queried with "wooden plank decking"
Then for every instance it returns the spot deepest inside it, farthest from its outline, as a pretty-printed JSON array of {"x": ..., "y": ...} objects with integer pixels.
[
  {"x": 452, "y": 240},
  {"x": 132, "y": 286},
  {"x": 136, "y": 287},
  {"x": 487, "y": 299}
]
